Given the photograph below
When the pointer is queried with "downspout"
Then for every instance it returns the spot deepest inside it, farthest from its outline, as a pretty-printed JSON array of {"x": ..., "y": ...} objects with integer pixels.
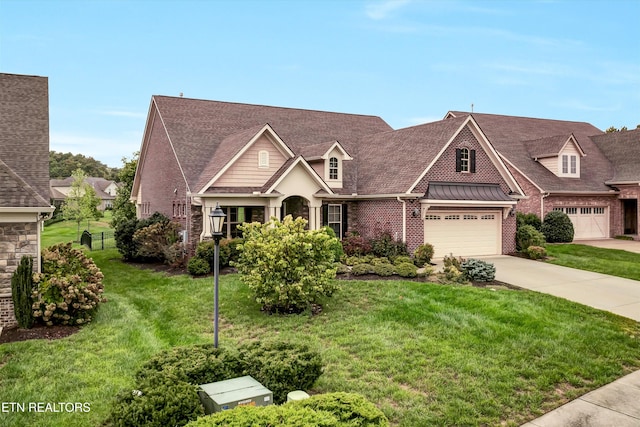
[
  {"x": 404, "y": 218},
  {"x": 544, "y": 196}
]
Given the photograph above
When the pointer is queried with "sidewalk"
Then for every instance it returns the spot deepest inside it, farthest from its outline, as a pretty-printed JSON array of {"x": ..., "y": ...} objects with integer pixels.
[{"x": 616, "y": 404}]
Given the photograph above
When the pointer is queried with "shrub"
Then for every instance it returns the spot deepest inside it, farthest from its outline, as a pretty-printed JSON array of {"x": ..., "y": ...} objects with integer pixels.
[
  {"x": 407, "y": 269},
  {"x": 166, "y": 386},
  {"x": 536, "y": 252},
  {"x": 281, "y": 366},
  {"x": 362, "y": 269},
  {"x": 354, "y": 260},
  {"x": 557, "y": 227},
  {"x": 478, "y": 270},
  {"x": 341, "y": 268},
  {"x": 355, "y": 245},
  {"x": 384, "y": 269},
  {"x": 527, "y": 236},
  {"x": 350, "y": 408},
  {"x": 287, "y": 267},
  {"x": 451, "y": 274},
  {"x": 154, "y": 241},
  {"x": 528, "y": 219},
  {"x": 423, "y": 254},
  {"x": 125, "y": 231},
  {"x": 323, "y": 410},
  {"x": 378, "y": 261},
  {"x": 452, "y": 261},
  {"x": 384, "y": 245},
  {"x": 336, "y": 245},
  {"x": 69, "y": 288},
  {"x": 21, "y": 292},
  {"x": 198, "y": 267},
  {"x": 402, "y": 259}
]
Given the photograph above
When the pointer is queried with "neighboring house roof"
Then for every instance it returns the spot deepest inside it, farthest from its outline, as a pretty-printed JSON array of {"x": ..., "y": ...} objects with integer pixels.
[
  {"x": 623, "y": 151},
  {"x": 100, "y": 185},
  {"x": 24, "y": 141},
  {"x": 513, "y": 137},
  {"x": 197, "y": 129}
]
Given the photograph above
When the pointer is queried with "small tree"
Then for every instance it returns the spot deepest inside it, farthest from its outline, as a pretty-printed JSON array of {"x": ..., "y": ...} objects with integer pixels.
[
  {"x": 81, "y": 203},
  {"x": 286, "y": 266},
  {"x": 21, "y": 289},
  {"x": 123, "y": 209}
]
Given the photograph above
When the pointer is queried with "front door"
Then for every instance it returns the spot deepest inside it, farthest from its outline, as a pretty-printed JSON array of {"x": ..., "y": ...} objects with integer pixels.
[
  {"x": 630, "y": 208},
  {"x": 295, "y": 206}
]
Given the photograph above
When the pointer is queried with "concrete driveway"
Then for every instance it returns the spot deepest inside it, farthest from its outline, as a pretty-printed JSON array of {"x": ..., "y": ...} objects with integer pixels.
[{"x": 615, "y": 294}]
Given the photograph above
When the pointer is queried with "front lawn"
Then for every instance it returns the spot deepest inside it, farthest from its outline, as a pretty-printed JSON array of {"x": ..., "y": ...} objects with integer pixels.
[
  {"x": 607, "y": 261},
  {"x": 425, "y": 354}
]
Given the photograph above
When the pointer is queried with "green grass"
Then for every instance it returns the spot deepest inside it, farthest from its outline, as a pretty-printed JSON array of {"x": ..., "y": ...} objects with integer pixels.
[
  {"x": 426, "y": 354},
  {"x": 607, "y": 261},
  {"x": 67, "y": 231}
]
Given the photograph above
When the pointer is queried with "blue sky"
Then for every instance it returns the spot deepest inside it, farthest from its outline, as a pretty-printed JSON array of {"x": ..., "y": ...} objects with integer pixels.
[{"x": 408, "y": 62}]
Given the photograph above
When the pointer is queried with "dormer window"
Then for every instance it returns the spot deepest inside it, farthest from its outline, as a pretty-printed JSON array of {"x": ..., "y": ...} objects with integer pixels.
[
  {"x": 465, "y": 160},
  {"x": 569, "y": 165},
  {"x": 333, "y": 168}
]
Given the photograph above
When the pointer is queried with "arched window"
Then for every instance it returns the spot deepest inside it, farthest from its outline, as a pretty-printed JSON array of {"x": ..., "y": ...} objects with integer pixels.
[
  {"x": 465, "y": 160},
  {"x": 333, "y": 168}
]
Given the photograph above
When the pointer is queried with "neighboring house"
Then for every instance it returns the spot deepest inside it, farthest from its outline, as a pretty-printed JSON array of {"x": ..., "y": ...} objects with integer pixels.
[
  {"x": 454, "y": 183},
  {"x": 24, "y": 176},
  {"x": 106, "y": 190}
]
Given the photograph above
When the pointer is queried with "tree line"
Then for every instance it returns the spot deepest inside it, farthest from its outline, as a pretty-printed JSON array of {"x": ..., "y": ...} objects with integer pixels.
[{"x": 63, "y": 165}]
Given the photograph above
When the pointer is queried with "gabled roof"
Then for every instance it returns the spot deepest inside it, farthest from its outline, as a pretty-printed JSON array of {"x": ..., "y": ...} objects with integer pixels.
[
  {"x": 551, "y": 146},
  {"x": 623, "y": 151},
  {"x": 509, "y": 136},
  {"x": 197, "y": 129},
  {"x": 24, "y": 140},
  {"x": 97, "y": 183},
  {"x": 322, "y": 150}
]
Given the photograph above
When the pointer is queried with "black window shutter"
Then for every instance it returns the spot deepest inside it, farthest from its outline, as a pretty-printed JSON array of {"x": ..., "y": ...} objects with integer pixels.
[
  {"x": 345, "y": 221},
  {"x": 458, "y": 160},
  {"x": 325, "y": 215},
  {"x": 472, "y": 161}
]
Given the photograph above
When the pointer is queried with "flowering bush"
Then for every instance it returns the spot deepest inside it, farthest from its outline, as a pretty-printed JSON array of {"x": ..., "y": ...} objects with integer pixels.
[{"x": 69, "y": 289}]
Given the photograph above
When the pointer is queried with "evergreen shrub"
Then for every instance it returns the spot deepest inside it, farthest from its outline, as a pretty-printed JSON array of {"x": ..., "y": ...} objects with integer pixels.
[
  {"x": 407, "y": 269},
  {"x": 478, "y": 270},
  {"x": 557, "y": 227},
  {"x": 423, "y": 254},
  {"x": 21, "y": 292},
  {"x": 362, "y": 269},
  {"x": 527, "y": 236},
  {"x": 384, "y": 269}
]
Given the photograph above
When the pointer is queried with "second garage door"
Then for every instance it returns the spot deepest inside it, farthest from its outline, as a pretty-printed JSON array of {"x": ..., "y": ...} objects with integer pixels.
[
  {"x": 588, "y": 222},
  {"x": 464, "y": 233}
]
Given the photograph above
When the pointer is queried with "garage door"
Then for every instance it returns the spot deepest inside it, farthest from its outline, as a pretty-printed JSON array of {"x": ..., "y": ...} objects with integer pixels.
[
  {"x": 588, "y": 222},
  {"x": 463, "y": 233}
]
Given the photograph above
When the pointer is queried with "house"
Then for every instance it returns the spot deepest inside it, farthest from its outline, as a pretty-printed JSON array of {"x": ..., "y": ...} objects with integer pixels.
[
  {"x": 455, "y": 183},
  {"x": 24, "y": 176},
  {"x": 106, "y": 190}
]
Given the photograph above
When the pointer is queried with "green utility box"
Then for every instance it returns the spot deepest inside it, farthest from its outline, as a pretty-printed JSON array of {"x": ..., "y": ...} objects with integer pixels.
[{"x": 242, "y": 391}]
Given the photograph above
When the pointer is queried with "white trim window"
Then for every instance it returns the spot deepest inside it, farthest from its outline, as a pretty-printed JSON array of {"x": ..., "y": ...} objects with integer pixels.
[
  {"x": 333, "y": 168},
  {"x": 263, "y": 159},
  {"x": 569, "y": 166},
  {"x": 334, "y": 219}
]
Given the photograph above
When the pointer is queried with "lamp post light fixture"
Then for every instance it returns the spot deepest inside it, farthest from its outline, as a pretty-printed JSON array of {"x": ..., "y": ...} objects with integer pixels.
[{"x": 216, "y": 217}]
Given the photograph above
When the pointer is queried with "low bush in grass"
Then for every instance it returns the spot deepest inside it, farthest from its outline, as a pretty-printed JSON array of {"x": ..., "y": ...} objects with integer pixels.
[
  {"x": 384, "y": 269},
  {"x": 557, "y": 227},
  {"x": 286, "y": 266},
  {"x": 323, "y": 410},
  {"x": 478, "y": 271},
  {"x": 166, "y": 386},
  {"x": 362, "y": 269},
  {"x": 69, "y": 289},
  {"x": 423, "y": 254},
  {"x": 527, "y": 236},
  {"x": 407, "y": 269},
  {"x": 402, "y": 259},
  {"x": 202, "y": 262},
  {"x": 536, "y": 252}
]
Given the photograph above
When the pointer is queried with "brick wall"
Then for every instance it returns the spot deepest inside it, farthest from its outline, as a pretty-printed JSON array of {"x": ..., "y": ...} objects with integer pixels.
[
  {"x": 16, "y": 240},
  {"x": 378, "y": 216}
]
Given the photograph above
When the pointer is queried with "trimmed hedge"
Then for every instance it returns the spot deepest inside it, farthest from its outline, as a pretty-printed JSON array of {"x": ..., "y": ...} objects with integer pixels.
[
  {"x": 324, "y": 410},
  {"x": 557, "y": 227},
  {"x": 166, "y": 386}
]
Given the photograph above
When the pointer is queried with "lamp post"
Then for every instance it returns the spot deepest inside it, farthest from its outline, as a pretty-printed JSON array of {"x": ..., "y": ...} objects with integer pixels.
[{"x": 216, "y": 217}]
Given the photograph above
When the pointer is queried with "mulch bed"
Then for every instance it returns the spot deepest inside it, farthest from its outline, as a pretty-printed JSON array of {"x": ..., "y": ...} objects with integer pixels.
[{"x": 15, "y": 334}]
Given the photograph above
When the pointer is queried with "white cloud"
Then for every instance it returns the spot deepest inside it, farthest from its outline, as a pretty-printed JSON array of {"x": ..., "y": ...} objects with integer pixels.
[{"x": 381, "y": 10}]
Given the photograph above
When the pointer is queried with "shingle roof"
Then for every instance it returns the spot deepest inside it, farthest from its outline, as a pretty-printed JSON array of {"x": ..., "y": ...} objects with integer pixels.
[
  {"x": 198, "y": 127},
  {"x": 390, "y": 162},
  {"x": 546, "y": 147},
  {"x": 24, "y": 140},
  {"x": 97, "y": 183},
  {"x": 509, "y": 136},
  {"x": 623, "y": 151}
]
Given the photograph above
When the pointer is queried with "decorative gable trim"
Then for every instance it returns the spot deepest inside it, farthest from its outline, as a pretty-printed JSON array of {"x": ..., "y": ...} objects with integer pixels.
[
  {"x": 303, "y": 163},
  {"x": 486, "y": 146},
  {"x": 266, "y": 130},
  {"x": 336, "y": 145}
]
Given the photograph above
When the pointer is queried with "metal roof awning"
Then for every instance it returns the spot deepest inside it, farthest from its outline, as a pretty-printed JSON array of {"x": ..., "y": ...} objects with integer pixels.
[{"x": 466, "y": 191}]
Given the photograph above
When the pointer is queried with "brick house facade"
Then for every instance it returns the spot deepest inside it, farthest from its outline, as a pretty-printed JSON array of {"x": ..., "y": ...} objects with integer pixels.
[
  {"x": 455, "y": 183},
  {"x": 24, "y": 176}
]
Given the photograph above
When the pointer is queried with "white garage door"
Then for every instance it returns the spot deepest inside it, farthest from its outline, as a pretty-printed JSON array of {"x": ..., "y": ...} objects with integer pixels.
[
  {"x": 463, "y": 233},
  {"x": 588, "y": 222}
]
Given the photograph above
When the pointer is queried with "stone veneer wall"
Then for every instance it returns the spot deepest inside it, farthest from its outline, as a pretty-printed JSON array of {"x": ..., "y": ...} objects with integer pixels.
[{"x": 16, "y": 240}]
